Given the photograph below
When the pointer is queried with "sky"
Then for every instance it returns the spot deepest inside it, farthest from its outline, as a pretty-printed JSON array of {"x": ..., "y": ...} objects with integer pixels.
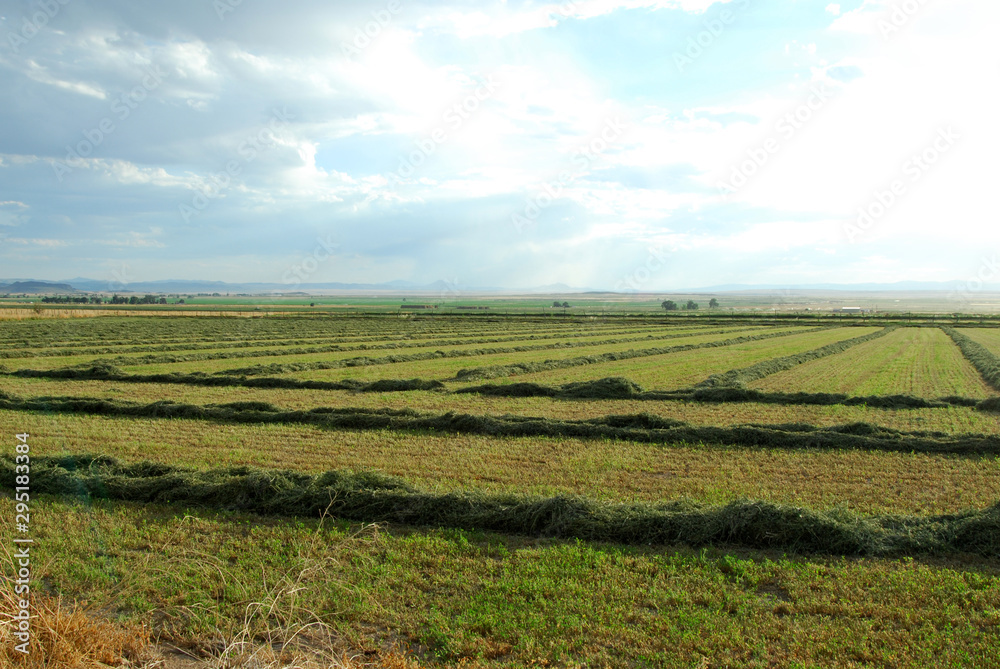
[{"x": 644, "y": 145}]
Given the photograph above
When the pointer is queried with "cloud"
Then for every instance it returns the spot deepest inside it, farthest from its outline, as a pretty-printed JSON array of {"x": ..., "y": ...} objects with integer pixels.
[{"x": 407, "y": 102}]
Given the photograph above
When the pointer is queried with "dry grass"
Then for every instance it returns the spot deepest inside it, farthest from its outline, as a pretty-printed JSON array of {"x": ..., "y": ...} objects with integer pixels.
[
  {"x": 65, "y": 634},
  {"x": 916, "y": 361}
]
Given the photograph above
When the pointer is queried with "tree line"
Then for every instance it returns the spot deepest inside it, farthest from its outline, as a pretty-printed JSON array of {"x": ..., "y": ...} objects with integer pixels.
[{"x": 670, "y": 305}]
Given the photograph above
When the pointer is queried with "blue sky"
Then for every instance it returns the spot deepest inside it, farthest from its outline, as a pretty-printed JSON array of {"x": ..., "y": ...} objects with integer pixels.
[{"x": 619, "y": 144}]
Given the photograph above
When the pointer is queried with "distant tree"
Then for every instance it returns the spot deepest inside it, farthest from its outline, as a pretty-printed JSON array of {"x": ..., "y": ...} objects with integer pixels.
[
  {"x": 312, "y": 304},
  {"x": 557, "y": 304},
  {"x": 713, "y": 303},
  {"x": 180, "y": 301},
  {"x": 163, "y": 300},
  {"x": 691, "y": 305},
  {"x": 133, "y": 300},
  {"x": 669, "y": 305},
  {"x": 565, "y": 305}
]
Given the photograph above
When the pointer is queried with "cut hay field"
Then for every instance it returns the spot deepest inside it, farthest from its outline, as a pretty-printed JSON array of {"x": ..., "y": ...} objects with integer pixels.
[
  {"x": 910, "y": 361},
  {"x": 480, "y": 492},
  {"x": 678, "y": 370},
  {"x": 990, "y": 338}
]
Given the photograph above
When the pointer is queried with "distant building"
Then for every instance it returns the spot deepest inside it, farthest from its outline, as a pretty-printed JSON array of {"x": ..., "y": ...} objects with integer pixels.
[
  {"x": 418, "y": 306},
  {"x": 851, "y": 310}
]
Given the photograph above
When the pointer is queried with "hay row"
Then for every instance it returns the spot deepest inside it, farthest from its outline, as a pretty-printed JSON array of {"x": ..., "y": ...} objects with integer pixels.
[
  {"x": 618, "y": 388},
  {"x": 643, "y": 427},
  {"x": 609, "y": 388},
  {"x": 372, "y": 497},
  {"x": 738, "y": 378},
  {"x": 332, "y": 344},
  {"x": 497, "y": 371},
  {"x": 364, "y": 361},
  {"x": 985, "y": 361},
  {"x": 111, "y": 373}
]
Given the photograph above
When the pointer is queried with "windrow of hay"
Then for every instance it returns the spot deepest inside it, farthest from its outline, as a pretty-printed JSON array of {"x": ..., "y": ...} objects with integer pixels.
[
  {"x": 359, "y": 361},
  {"x": 985, "y": 362},
  {"x": 497, "y": 371},
  {"x": 643, "y": 427},
  {"x": 610, "y": 388},
  {"x": 334, "y": 345},
  {"x": 622, "y": 388},
  {"x": 106, "y": 372},
  {"x": 372, "y": 497},
  {"x": 737, "y": 378}
]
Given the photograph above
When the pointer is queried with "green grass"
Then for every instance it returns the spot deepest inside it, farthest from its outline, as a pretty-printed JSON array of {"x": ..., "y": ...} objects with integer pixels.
[
  {"x": 507, "y": 601},
  {"x": 492, "y": 600},
  {"x": 917, "y": 361},
  {"x": 686, "y": 368}
]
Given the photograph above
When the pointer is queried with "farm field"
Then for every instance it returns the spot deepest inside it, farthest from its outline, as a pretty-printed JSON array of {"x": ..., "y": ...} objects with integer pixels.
[
  {"x": 911, "y": 361},
  {"x": 678, "y": 370},
  {"x": 950, "y": 419},
  {"x": 613, "y": 470},
  {"x": 989, "y": 338},
  {"x": 470, "y": 509}
]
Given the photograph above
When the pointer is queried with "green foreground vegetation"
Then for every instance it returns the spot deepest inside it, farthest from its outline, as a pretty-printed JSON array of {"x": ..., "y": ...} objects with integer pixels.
[{"x": 494, "y": 491}]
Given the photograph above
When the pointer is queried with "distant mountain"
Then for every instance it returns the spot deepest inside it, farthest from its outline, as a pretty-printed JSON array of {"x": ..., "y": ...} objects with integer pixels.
[
  {"x": 36, "y": 287},
  {"x": 441, "y": 287},
  {"x": 445, "y": 289}
]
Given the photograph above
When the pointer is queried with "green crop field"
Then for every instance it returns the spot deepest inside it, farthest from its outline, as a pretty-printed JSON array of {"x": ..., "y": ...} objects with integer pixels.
[
  {"x": 505, "y": 491},
  {"x": 915, "y": 361}
]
